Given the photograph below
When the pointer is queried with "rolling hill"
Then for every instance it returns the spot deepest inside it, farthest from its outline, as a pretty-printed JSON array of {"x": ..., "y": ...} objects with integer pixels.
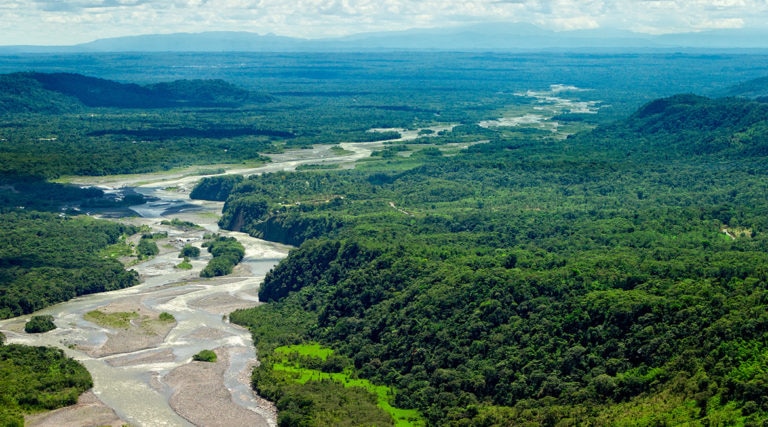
[{"x": 62, "y": 92}]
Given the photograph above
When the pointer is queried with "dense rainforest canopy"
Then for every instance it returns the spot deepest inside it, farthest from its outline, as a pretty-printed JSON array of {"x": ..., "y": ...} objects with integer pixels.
[
  {"x": 614, "y": 277},
  {"x": 37, "y": 379},
  {"x": 48, "y": 258},
  {"x": 70, "y": 124}
]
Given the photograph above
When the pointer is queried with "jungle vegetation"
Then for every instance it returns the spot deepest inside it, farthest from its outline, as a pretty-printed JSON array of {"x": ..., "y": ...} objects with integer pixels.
[
  {"x": 205, "y": 356},
  {"x": 37, "y": 379},
  {"x": 39, "y": 324},
  {"x": 616, "y": 277},
  {"x": 47, "y": 258},
  {"x": 227, "y": 253}
]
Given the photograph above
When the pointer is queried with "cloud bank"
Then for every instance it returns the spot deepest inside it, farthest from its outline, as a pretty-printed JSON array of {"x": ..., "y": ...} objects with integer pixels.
[{"x": 55, "y": 22}]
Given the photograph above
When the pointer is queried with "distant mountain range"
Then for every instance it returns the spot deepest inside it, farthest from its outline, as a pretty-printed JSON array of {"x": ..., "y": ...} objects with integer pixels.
[{"x": 493, "y": 36}]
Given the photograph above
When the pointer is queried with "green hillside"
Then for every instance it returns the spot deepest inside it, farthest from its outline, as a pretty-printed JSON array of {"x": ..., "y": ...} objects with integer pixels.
[
  {"x": 66, "y": 92},
  {"x": 754, "y": 88},
  {"x": 616, "y": 277},
  {"x": 687, "y": 125}
]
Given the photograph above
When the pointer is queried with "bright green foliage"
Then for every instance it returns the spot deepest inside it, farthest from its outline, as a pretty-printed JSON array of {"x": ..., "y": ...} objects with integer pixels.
[
  {"x": 120, "y": 249},
  {"x": 312, "y": 362},
  {"x": 217, "y": 267},
  {"x": 615, "y": 277},
  {"x": 45, "y": 259},
  {"x": 37, "y": 378},
  {"x": 226, "y": 247},
  {"x": 184, "y": 265},
  {"x": 205, "y": 356},
  {"x": 121, "y": 320},
  {"x": 167, "y": 317},
  {"x": 227, "y": 253},
  {"x": 313, "y": 350},
  {"x": 39, "y": 324},
  {"x": 307, "y": 394}
]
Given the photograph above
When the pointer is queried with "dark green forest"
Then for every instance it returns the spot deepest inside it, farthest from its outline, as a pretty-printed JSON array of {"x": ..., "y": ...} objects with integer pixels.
[
  {"x": 37, "y": 379},
  {"x": 48, "y": 258},
  {"x": 616, "y": 277},
  {"x": 606, "y": 276},
  {"x": 70, "y": 124},
  {"x": 227, "y": 253}
]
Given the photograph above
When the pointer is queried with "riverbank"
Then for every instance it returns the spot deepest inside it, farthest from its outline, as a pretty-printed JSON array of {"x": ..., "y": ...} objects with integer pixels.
[
  {"x": 143, "y": 372},
  {"x": 202, "y": 398},
  {"x": 89, "y": 411},
  {"x": 198, "y": 391}
]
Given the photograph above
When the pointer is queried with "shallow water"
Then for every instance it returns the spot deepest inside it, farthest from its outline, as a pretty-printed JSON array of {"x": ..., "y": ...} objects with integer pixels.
[
  {"x": 136, "y": 392},
  {"x": 132, "y": 384}
]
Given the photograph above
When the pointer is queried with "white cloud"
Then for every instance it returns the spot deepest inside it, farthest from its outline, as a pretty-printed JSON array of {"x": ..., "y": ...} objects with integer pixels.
[{"x": 74, "y": 21}]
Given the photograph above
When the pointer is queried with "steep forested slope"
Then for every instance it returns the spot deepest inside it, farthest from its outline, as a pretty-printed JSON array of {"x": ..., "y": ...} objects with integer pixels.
[
  {"x": 534, "y": 281},
  {"x": 689, "y": 125}
]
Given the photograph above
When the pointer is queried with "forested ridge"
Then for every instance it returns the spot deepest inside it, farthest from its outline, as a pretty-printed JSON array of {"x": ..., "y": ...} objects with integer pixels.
[
  {"x": 734, "y": 128},
  {"x": 55, "y": 124},
  {"x": 617, "y": 277},
  {"x": 32, "y": 92}
]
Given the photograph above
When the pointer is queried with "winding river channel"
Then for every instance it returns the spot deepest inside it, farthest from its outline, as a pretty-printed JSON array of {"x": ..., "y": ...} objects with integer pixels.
[{"x": 145, "y": 375}]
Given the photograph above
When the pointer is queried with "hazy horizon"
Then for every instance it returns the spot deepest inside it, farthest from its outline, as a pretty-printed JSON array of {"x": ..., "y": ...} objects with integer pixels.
[{"x": 65, "y": 23}]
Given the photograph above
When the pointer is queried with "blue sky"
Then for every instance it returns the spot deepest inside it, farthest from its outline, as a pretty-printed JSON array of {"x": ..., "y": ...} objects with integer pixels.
[{"x": 56, "y": 22}]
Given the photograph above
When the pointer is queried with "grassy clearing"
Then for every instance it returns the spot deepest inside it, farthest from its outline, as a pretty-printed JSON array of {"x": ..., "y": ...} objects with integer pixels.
[
  {"x": 384, "y": 394},
  {"x": 311, "y": 350},
  {"x": 118, "y": 250},
  {"x": 120, "y": 320},
  {"x": 665, "y": 408},
  {"x": 184, "y": 265}
]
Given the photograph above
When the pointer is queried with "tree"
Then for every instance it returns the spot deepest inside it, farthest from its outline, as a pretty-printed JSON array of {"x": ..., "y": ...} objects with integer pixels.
[
  {"x": 189, "y": 251},
  {"x": 205, "y": 356},
  {"x": 39, "y": 324},
  {"x": 147, "y": 248}
]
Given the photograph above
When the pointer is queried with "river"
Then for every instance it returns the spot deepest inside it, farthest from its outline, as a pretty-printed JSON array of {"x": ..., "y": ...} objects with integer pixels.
[{"x": 131, "y": 369}]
